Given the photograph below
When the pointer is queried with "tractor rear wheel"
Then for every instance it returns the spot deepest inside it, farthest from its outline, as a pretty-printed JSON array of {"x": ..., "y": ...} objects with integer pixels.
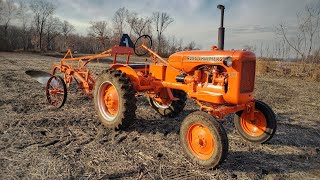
[
  {"x": 114, "y": 99},
  {"x": 261, "y": 128},
  {"x": 203, "y": 139},
  {"x": 170, "y": 108}
]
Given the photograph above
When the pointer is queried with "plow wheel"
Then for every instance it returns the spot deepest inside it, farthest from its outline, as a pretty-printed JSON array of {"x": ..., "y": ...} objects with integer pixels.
[
  {"x": 261, "y": 128},
  {"x": 114, "y": 99},
  {"x": 170, "y": 108},
  {"x": 56, "y": 91},
  {"x": 204, "y": 139}
]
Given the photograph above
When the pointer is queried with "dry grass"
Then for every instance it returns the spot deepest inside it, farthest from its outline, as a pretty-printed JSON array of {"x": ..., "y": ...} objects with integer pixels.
[
  {"x": 289, "y": 69},
  {"x": 316, "y": 75},
  {"x": 38, "y": 142}
]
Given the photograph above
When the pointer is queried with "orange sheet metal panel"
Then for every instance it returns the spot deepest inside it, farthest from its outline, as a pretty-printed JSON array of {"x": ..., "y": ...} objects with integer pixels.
[
  {"x": 241, "y": 78},
  {"x": 158, "y": 71}
]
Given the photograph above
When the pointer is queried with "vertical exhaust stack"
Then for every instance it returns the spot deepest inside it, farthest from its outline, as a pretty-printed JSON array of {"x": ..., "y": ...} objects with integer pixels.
[{"x": 221, "y": 29}]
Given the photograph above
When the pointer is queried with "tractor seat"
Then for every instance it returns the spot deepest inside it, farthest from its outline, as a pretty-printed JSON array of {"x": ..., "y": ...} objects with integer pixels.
[{"x": 137, "y": 66}]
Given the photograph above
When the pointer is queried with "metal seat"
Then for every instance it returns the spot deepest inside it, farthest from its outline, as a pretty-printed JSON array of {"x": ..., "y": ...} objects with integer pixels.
[{"x": 137, "y": 66}]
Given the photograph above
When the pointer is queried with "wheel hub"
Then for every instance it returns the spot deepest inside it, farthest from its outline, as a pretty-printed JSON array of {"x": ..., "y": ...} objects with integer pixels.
[
  {"x": 111, "y": 100},
  {"x": 200, "y": 141},
  {"x": 255, "y": 127}
]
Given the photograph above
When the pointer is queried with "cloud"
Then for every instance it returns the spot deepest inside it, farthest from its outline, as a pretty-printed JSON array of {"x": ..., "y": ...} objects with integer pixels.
[{"x": 195, "y": 20}]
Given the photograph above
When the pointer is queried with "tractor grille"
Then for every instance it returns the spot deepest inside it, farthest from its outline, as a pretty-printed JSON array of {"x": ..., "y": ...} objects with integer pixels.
[{"x": 247, "y": 76}]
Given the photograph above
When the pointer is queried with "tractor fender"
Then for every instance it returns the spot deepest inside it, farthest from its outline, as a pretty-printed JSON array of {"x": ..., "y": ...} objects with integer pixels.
[{"x": 130, "y": 73}]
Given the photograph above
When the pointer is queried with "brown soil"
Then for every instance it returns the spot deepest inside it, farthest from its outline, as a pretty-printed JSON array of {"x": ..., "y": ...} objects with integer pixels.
[{"x": 39, "y": 142}]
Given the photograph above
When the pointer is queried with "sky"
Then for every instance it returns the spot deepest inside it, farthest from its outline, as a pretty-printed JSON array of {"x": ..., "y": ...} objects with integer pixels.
[{"x": 247, "y": 22}]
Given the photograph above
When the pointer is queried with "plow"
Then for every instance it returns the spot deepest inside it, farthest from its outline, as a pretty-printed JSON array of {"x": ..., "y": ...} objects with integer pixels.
[
  {"x": 220, "y": 81},
  {"x": 75, "y": 69}
]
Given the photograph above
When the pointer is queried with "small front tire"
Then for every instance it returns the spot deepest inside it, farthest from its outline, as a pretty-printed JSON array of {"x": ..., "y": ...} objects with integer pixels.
[
  {"x": 259, "y": 130},
  {"x": 203, "y": 139}
]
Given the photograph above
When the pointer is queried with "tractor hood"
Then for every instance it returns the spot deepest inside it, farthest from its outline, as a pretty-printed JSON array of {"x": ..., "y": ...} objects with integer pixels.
[{"x": 189, "y": 60}]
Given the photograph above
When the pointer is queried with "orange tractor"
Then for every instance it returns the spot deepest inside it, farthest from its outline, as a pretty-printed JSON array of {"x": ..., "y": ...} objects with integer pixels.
[{"x": 220, "y": 81}]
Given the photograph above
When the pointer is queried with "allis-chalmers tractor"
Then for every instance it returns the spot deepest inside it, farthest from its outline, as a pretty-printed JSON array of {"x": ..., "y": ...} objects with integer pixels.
[{"x": 220, "y": 81}]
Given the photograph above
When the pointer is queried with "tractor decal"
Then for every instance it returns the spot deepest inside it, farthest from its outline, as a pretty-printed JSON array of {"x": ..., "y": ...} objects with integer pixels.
[{"x": 205, "y": 58}]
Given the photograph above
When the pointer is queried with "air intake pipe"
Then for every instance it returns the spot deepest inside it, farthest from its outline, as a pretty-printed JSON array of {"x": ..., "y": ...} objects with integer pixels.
[{"x": 221, "y": 29}]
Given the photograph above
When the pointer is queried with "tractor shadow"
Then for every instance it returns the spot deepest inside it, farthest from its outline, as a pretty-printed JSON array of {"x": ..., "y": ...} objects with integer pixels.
[
  {"x": 293, "y": 149},
  {"x": 296, "y": 136},
  {"x": 289, "y": 133},
  {"x": 264, "y": 163},
  {"x": 263, "y": 159},
  {"x": 163, "y": 125}
]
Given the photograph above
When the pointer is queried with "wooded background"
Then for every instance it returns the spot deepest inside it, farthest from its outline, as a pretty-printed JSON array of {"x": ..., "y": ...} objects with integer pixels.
[{"x": 33, "y": 26}]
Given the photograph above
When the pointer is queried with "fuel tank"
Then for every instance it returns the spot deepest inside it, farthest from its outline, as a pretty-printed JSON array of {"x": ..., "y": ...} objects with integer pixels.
[{"x": 188, "y": 60}]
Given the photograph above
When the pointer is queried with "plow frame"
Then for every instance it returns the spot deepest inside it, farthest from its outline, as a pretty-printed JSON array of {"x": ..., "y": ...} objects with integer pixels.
[{"x": 74, "y": 68}]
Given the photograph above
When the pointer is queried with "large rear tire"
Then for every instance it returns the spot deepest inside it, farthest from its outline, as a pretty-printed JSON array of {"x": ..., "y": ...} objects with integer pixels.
[
  {"x": 259, "y": 130},
  {"x": 114, "y": 99},
  {"x": 172, "y": 108},
  {"x": 203, "y": 139}
]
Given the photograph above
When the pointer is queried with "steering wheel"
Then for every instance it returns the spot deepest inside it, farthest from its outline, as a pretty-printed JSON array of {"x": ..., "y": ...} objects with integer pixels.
[{"x": 142, "y": 40}]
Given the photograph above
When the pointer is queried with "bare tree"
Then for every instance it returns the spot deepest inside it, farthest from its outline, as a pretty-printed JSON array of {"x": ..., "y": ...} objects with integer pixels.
[
  {"x": 98, "y": 30},
  {"x": 191, "y": 46},
  {"x": 311, "y": 25},
  {"x": 119, "y": 20},
  {"x": 67, "y": 28},
  {"x": 173, "y": 45},
  {"x": 139, "y": 25},
  {"x": 162, "y": 21},
  {"x": 1, "y": 10},
  {"x": 52, "y": 30},
  {"x": 8, "y": 11},
  {"x": 250, "y": 47},
  {"x": 42, "y": 10},
  {"x": 23, "y": 16},
  {"x": 294, "y": 42},
  {"x": 308, "y": 26},
  {"x": 261, "y": 49}
]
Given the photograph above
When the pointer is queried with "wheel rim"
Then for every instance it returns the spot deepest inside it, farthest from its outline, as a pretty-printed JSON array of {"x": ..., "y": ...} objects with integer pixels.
[
  {"x": 200, "y": 141},
  {"x": 108, "y": 102},
  {"x": 255, "y": 127},
  {"x": 164, "y": 105},
  {"x": 55, "y": 91}
]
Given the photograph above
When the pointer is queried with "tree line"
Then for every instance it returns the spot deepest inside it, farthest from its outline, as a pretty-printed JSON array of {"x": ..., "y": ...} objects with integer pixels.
[
  {"x": 33, "y": 26},
  {"x": 298, "y": 42}
]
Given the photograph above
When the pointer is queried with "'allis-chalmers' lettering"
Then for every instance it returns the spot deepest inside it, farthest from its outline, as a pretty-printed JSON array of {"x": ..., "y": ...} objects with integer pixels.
[{"x": 204, "y": 58}]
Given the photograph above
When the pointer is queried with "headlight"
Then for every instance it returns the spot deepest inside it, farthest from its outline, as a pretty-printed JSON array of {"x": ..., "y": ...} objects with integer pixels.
[{"x": 227, "y": 61}]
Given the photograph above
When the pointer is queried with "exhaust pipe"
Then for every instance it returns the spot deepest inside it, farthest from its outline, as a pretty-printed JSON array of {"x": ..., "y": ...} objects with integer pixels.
[{"x": 221, "y": 29}]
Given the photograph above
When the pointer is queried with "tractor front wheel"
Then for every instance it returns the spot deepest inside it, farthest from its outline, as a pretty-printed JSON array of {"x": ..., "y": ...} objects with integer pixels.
[
  {"x": 204, "y": 139},
  {"x": 257, "y": 130},
  {"x": 114, "y": 99}
]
